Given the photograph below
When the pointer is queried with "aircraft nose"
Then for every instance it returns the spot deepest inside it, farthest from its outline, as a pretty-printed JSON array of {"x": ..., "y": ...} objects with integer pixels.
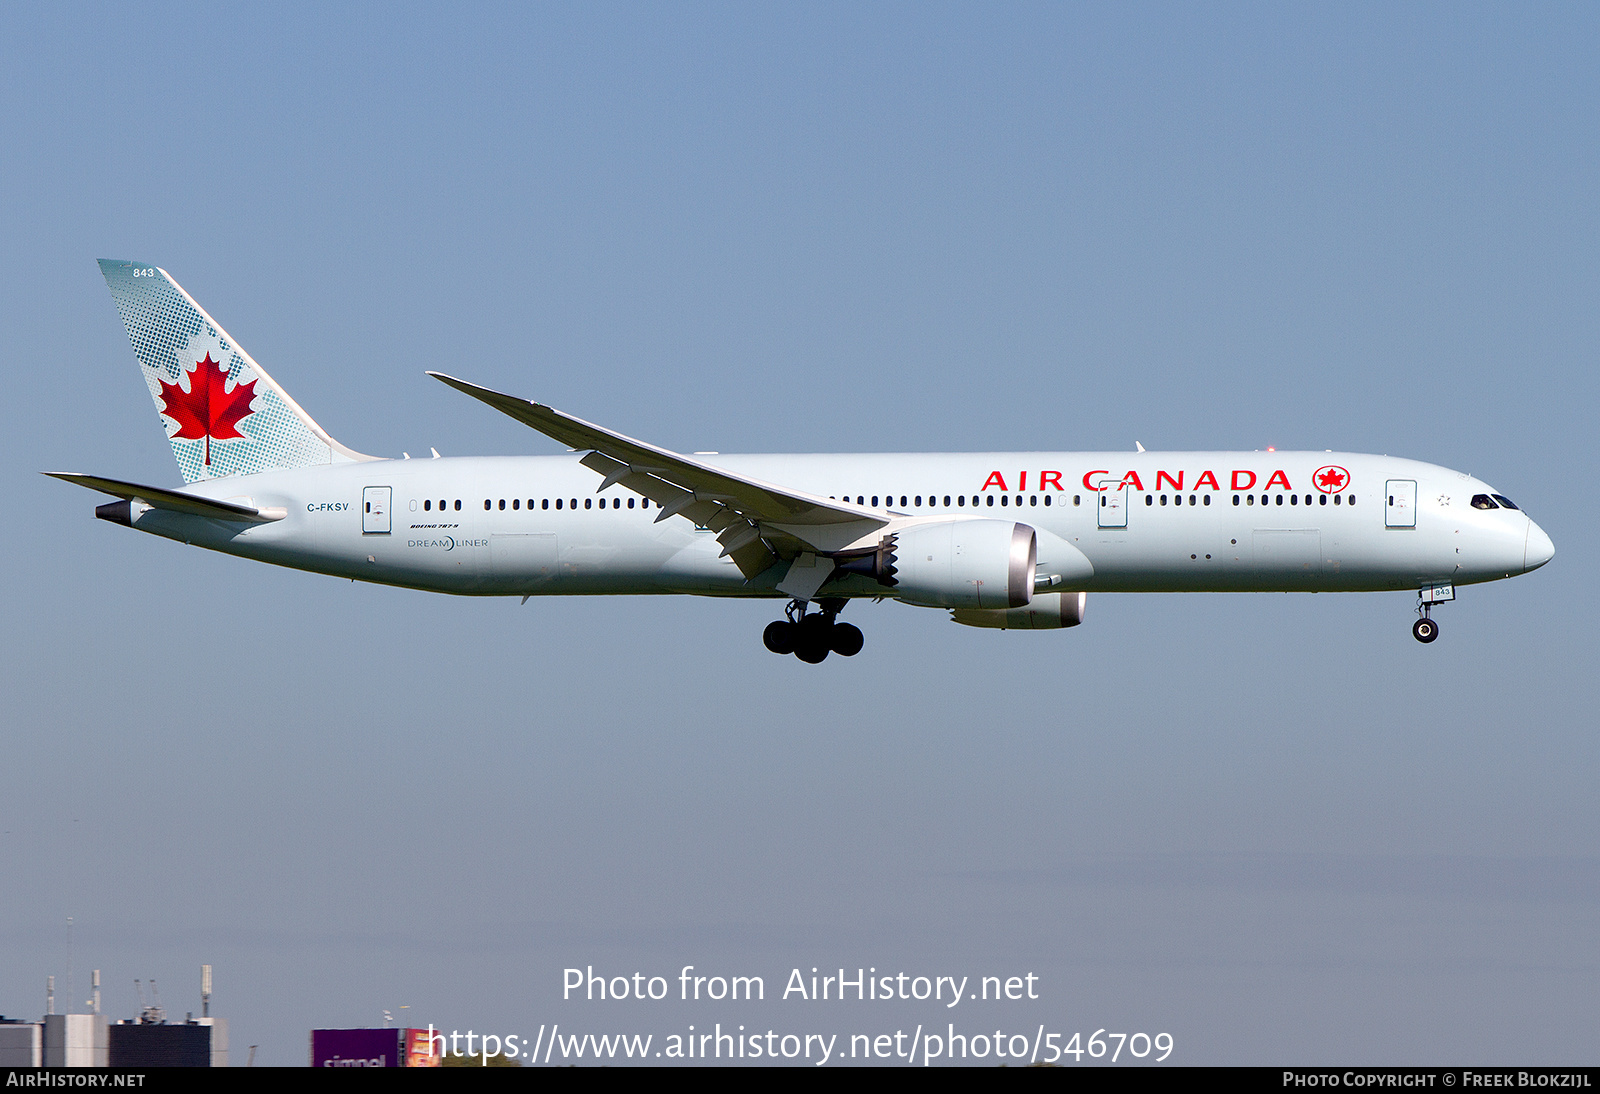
[{"x": 1539, "y": 549}]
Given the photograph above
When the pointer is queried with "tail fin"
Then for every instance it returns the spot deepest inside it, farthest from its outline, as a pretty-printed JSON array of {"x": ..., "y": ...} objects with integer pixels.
[{"x": 224, "y": 415}]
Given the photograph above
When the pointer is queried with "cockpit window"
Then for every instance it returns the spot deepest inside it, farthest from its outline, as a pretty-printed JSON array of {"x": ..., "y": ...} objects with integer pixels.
[
  {"x": 1505, "y": 501},
  {"x": 1481, "y": 501}
]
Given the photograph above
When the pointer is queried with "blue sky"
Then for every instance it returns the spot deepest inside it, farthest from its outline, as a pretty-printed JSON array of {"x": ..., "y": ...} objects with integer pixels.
[{"x": 1272, "y": 825}]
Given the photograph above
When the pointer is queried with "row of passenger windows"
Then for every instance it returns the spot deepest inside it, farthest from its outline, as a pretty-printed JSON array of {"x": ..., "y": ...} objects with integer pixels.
[
  {"x": 959, "y": 501},
  {"x": 1250, "y": 499},
  {"x": 1294, "y": 499},
  {"x": 543, "y": 503}
]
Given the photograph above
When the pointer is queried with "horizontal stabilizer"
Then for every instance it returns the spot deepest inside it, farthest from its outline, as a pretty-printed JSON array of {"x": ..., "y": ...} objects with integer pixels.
[{"x": 174, "y": 500}]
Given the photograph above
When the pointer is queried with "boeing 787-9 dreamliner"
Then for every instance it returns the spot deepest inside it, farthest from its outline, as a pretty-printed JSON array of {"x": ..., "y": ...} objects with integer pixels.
[{"x": 1009, "y": 540}]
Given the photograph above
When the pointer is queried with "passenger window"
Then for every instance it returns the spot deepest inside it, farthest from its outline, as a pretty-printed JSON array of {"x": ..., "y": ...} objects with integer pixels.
[
  {"x": 903, "y": 501},
  {"x": 516, "y": 503},
  {"x": 919, "y": 499},
  {"x": 458, "y": 505},
  {"x": 1324, "y": 500},
  {"x": 1505, "y": 501},
  {"x": 545, "y": 504},
  {"x": 558, "y": 503},
  {"x": 427, "y": 505},
  {"x": 1294, "y": 499},
  {"x": 1163, "y": 499},
  {"x": 630, "y": 503},
  {"x": 1351, "y": 500},
  {"x": 961, "y": 499},
  {"x": 1047, "y": 499},
  {"x": 1149, "y": 499},
  {"x": 587, "y": 502},
  {"x": 991, "y": 501},
  {"x": 947, "y": 501},
  {"x": 1236, "y": 499},
  {"x": 874, "y": 501},
  {"x": 502, "y": 503},
  {"x": 1002, "y": 499},
  {"x": 1076, "y": 498},
  {"x": 1280, "y": 499},
  {"x": 1033, "y": 499},
  {"x": 1249, "y": 499},
  {"x": 1192, "y": 501},
  {"x": 1336, "y": 499}
]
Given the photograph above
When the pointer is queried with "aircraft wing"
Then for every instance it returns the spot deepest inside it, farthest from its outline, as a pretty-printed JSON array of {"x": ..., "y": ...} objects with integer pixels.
[
  {"x": 175, "y": 500},
  {"x": 757, "y": 522}
]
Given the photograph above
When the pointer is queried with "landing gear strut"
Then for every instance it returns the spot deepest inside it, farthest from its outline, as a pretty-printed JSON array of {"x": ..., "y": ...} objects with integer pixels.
[
  {"x": 1425, "y": 630},
  {"x": 812, "y": 637}
]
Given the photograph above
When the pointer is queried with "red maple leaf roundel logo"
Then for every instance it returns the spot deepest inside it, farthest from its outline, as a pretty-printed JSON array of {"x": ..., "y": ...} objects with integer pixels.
[
  {"x": 206, "y": 409},
  {"x": 1330, "y": 479}
]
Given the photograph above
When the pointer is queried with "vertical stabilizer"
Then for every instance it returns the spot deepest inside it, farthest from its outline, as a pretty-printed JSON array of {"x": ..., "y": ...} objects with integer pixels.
[{"x": 223, "y": 414}]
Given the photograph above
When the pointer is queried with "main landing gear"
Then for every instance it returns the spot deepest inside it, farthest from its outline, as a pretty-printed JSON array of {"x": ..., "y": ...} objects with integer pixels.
[{"x": 812, "y": 637}]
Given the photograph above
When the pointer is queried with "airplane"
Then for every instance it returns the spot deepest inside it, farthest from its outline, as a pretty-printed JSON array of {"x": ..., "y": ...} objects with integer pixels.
[{"x": 1004, "y": 540}]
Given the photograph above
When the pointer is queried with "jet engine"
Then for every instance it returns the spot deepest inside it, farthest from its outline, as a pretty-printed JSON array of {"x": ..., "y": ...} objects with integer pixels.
[
  {"x": 1048, "y": 612},
  {"x": 955, "y": 564}
]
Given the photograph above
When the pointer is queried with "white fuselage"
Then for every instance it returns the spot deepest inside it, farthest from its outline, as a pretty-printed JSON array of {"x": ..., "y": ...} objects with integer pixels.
[{"x": 1194, "y": 521}]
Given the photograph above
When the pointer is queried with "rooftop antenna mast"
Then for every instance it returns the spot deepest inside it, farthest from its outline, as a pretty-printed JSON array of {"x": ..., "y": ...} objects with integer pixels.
[
  {"x": 70, "y": 996},
  {"x": 205, "y": 991},
  {"x": 50, "y": 995},
  {"x": 94, "y": 1001}
]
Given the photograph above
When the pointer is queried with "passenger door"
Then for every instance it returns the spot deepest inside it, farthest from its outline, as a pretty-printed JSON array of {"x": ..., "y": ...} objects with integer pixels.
[
  {"x": 1400, "y": 508},
  {"x": 1113, "y": 505},
  {"x": 375, "y": 511}
]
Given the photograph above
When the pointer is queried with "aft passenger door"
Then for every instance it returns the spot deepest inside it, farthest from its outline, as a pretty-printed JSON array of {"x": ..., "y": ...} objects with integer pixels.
[{"x": 375, "y": 511}]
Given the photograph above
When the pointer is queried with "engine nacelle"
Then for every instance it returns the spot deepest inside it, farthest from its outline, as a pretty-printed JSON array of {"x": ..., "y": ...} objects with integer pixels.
[
  {"x": 965, "y": 564},
  {"x": 1048, "y": 612}
]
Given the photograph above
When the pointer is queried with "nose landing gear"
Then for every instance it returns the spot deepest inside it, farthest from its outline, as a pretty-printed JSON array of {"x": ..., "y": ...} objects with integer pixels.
[
  {"x": 812, "y": 637},
  {"x": 1425, "y": 630}
]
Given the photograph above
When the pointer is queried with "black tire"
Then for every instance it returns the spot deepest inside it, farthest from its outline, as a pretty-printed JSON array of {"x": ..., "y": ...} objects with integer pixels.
[
  {"x": 779, "y": 636},
  {"x": 811, "y": 649},
  {"x": 1425, "y": 630},
  {"x": 846, "y": 640}
]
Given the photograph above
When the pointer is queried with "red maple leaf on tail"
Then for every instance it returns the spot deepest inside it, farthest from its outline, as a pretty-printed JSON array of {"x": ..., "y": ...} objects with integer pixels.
[{"x": 206, "y": 410}]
